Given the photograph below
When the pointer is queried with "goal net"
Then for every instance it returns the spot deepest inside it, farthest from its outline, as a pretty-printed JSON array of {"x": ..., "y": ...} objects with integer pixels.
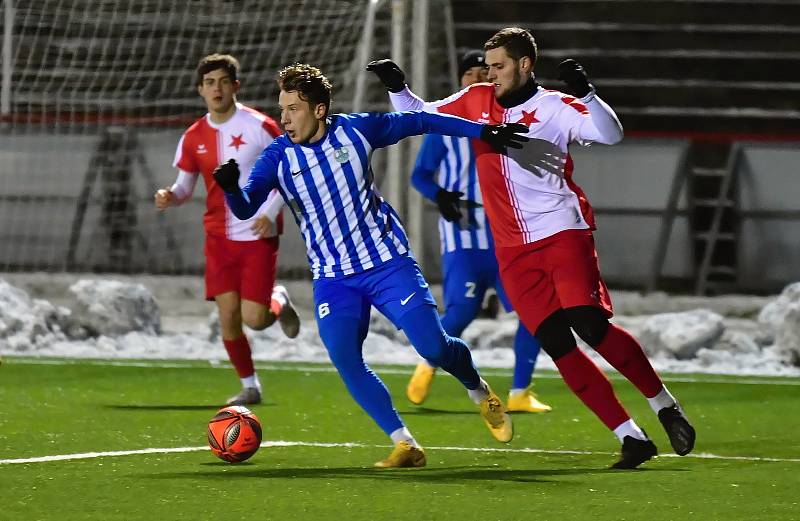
[{"x": 95, "y": 96}]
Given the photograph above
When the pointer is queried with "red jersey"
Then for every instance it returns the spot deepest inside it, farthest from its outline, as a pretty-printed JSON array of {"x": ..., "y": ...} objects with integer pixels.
[
  {"x": 205, "y": 145},
  {"x": 528, "y": 194}
]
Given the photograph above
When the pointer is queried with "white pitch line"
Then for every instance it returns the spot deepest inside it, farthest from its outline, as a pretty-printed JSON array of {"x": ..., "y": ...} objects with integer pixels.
[
  {"x": 157, "y": 364},
  {"x": 111, "y": 454}
]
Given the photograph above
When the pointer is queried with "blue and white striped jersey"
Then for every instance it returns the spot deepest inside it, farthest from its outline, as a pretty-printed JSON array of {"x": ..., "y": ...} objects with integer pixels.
[
  {"x": 347, "y": 226},
  {"x": 454, "y": 161}
]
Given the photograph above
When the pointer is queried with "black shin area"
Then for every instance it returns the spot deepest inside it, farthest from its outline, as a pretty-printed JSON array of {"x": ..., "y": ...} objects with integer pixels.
[
  {"x": 589, "y": 323},
  {"x": 555, "y": 336}
]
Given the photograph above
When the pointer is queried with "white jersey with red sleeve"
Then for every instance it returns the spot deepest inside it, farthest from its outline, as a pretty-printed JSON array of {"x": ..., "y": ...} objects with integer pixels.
[
  {"x": 529, "y": 194},
  {"x": 206, "y": 144}
]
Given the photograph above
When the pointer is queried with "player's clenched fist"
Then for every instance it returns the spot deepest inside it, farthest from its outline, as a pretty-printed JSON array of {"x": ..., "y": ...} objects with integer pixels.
[
  {"x": 227, "y": 176},
  {"x": 390, "y": 74},
  {"x": 574, "y": 75},
  {"x": 164, "y": 198}
]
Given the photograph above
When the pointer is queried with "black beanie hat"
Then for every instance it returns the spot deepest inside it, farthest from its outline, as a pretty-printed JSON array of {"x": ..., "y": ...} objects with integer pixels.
[{"x": 470, "y": 59}]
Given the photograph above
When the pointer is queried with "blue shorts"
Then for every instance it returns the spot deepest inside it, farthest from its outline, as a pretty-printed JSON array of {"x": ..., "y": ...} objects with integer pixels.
[
  {"x": 468, "y": 274},
  {"x": 394, "y": 288}
]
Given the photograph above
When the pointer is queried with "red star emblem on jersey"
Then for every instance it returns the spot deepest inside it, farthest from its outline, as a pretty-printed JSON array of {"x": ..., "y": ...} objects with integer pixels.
[
  {"x": 528, "y": 118},
  {"x": 237, "y": 141}
]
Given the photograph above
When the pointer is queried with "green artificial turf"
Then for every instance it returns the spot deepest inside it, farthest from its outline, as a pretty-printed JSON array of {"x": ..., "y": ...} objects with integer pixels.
[{"x": 70, "y": 407}]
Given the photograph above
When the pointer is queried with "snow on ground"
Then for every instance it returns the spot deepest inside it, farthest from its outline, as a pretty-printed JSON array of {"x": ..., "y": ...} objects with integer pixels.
[{"x": 165, "y": 318}]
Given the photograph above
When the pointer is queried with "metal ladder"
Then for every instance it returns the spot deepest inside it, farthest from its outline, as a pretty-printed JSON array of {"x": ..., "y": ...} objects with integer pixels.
[{"x": 725, "y": 199}]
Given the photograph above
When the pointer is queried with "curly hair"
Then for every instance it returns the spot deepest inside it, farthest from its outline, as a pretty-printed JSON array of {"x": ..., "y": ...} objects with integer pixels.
[{"x": 309, "y": 82}]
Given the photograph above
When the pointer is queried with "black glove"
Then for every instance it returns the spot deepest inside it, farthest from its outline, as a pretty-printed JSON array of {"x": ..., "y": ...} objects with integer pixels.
[
  {"x": 573, "y": 74},
  {"x": 227, "y": 176},
  {"x": 449, "y": 204},
  {"x": 392, "y": 76},
  {"x": 505, "y": 135}
]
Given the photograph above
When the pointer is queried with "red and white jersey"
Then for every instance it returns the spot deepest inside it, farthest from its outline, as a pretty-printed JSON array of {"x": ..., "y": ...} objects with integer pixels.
[
  {"x": 205, "y": 145},
  {"x": 529, "y": 194}
]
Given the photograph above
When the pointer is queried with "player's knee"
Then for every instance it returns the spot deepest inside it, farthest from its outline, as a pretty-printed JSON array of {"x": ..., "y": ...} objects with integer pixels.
[
  {"x": 555, "y": 336},
  {"x": 589, "y": 323},
  {"x": 230, "y": 317}
]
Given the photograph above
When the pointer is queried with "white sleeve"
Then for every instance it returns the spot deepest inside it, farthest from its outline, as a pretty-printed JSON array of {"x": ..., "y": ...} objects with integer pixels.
[
  {"x": 273, "y": 205},
  {"x": 184, "y": 186},
  {"x": 407, "y": 100},
  {"x": 602, "y": 125}
]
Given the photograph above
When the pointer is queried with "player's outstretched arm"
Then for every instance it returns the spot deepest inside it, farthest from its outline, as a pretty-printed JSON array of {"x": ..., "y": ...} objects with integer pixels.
[
  {"x": 394, "y": 79},
  {"x": 384, "y": 129},
  {"x": 605, "y": 126}
]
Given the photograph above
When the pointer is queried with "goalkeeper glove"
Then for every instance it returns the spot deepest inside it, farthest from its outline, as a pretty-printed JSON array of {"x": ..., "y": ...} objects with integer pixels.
[
  {"x": 392, "y": 76},
  {"x": 505, "y": 135},
  {"x": 449, "y": 204},
  {"x": 227, "y": 176},
  {"x": 574, "y": 75}
]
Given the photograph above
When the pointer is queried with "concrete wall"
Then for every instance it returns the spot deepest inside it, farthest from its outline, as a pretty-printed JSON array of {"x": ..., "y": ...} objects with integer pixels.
[
  {"x": 47, "y": 174},
  {"x": 769, "y": 180}
]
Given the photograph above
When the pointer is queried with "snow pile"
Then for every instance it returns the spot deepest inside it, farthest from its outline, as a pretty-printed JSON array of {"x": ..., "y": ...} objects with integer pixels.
[
  {"x": 682, "y": 334},
  {"x": 781, "y": 320},
  {"x": 112, "y": 319},
  {"x": 112, "y": 307},
  {"x": 28, "y": 323}
]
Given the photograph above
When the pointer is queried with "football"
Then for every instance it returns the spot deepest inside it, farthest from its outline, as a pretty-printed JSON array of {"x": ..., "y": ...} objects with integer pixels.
[{"x": 234, "y": 433}]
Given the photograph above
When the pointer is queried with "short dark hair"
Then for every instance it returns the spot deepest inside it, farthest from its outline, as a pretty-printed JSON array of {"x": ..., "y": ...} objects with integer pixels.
[
  {"x": 216, "y": 61},
  {"x": 309, "y": 83},
  {"x": 517, "y": 41}
]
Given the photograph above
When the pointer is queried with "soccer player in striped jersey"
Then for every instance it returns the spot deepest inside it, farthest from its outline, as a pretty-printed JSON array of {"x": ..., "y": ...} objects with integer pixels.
[
  {"x": 542, "y": 224},
  {"x": 468, "y": 262},
  {"x": 241, "y": 255},
  {"x": 356, "y": 245}
]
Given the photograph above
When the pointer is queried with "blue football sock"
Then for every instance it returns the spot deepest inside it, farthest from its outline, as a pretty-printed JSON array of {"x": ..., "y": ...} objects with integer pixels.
[
  {"x": 343, "y": 342},
  {"x": 424, "y": 330},
  {"x": 526, "y": 349}
]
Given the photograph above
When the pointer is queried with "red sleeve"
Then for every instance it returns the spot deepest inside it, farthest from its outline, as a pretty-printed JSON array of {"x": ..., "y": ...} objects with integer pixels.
[
  {"x": 184, "y": 156},
  {"x": 469, "y": 103},
  {"x": 272, "y": 128}
]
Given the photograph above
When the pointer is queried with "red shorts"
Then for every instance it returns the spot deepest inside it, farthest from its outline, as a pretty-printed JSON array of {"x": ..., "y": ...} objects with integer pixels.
[
  {"x": 246, "y": 267},
  {"x": 560, "y": 271}
]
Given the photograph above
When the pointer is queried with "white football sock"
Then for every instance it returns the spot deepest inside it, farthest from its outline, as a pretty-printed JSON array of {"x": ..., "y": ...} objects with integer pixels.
[
  {"x": 279, "y": 296},
  {"x": 251, "y": 381},
  {"x": 517, "y": 392},
  {"x": 661, "y": 400},
  {"x": 629, "y": 428},
  {"x": 403, "y": 434},
  {"x": 479, "y": 394}
]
